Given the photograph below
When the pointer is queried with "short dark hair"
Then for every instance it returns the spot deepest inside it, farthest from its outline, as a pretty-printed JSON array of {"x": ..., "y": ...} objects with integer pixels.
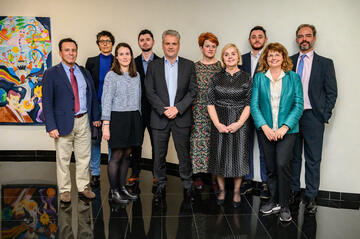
[
  {"x": 258, "y": 28},
  {"x": 67, "y": 40},
  {"x": 107, "y": 34},
  {"x": 312, "y": 27},
  {"x": 115, "y": 67},
  {"x": 146, "y": 31}
]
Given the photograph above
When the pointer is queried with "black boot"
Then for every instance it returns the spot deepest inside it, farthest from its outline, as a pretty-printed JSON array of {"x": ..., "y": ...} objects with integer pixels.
[
  {"x": 125, "y": 193},
  {"x": 116, "y": 197}
]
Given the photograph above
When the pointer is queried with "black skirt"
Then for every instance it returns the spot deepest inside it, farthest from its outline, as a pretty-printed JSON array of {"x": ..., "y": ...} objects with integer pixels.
[{"x": 125, "y": 129}]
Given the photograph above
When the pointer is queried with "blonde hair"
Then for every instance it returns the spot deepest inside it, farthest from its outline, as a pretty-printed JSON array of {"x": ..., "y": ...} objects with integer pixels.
[
  {"x": 286, "y": 64},
  {"x": 227, "y": 46}
]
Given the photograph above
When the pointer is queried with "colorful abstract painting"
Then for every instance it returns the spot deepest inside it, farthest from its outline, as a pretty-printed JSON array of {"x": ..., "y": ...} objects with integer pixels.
[
  {"x": 25, "y": 53},
  {"x": 29, "y": 211}
]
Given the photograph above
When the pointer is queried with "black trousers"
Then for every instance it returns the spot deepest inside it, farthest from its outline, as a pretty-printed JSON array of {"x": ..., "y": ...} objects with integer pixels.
[
  {"x": 137, "y": 151},
  {"x": 181, "y": 137},
  {"x": 311, "y": 137},
  {"x": 278, "y": 155}
]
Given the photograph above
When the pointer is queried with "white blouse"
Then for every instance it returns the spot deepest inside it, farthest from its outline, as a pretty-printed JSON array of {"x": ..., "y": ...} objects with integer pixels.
[{"x": 275, "y": 94}]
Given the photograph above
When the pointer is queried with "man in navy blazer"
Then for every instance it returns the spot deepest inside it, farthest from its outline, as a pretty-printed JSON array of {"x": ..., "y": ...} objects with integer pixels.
[
  {"x": 257, "y": 40},
  {"x": 70, "y": 109},
  {"x": 320, "y": 91},
  {"x": 98, "y": 66}
]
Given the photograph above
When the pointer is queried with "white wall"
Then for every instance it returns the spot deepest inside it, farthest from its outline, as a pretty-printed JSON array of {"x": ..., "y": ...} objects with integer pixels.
[{"x": 231, "y": 20}]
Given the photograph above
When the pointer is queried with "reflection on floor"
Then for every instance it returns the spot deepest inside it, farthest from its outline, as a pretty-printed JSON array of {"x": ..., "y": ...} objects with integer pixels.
[{"x": 144, "y": 219}]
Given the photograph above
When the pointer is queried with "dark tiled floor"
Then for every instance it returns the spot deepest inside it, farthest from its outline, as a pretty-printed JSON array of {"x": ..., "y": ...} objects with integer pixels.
[{"x": 143, "y": 219}]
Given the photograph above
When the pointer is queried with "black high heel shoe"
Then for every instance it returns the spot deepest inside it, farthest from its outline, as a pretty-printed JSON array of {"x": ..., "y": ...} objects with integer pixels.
[
  {"x": 220, "y": 202},
  {"x": 115, "y": 197},
  {"x": 236, "y": 204},
  {"x": 127, "y": 194}
]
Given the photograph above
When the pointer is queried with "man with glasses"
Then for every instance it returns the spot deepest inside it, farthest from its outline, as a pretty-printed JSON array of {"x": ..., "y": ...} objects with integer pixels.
[
  {"x": 317, "y": 75},
  {"x": 98, "y": 66}
]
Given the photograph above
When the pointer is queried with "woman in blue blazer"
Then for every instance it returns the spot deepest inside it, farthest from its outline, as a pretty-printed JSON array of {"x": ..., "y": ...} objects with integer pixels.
[{"x": 276, "y": 106}]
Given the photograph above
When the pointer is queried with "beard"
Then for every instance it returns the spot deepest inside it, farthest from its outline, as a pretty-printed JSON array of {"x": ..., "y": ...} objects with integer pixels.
[
  {"x": 257, "y": 48},
  {"x": 146, "y": 49},
  {"x": 305, "y": 47}
]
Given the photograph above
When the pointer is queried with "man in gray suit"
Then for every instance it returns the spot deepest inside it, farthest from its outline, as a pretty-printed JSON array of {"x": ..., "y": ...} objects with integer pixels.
[{"x": 171, "y": 88}]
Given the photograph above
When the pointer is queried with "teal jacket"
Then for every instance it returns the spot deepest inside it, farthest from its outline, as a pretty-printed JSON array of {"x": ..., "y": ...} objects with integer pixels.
[{"x": 291, "y": 101}]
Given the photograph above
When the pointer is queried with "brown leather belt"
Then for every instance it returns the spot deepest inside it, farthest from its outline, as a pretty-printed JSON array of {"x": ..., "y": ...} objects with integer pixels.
[{"x": 80, "y": 115}]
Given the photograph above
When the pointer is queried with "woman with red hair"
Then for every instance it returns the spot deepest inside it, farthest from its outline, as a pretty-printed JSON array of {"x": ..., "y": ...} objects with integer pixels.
[{"x": 200, "y": 135}]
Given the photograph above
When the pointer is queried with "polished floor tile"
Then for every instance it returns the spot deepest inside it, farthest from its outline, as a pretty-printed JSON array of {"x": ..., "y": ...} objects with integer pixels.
[{"x": 29, "y": 211}]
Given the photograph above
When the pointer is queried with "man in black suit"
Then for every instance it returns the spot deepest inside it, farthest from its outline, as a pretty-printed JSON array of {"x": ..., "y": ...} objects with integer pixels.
[
  {"x": 171, "y": 88},
  {"x": 250, "y": 63},
  {"x": 320, "y": 91},
  {"x": 98, "y": 66},
  {"x": 146, "y": 43},
  {"x": 70, "y": 110}
]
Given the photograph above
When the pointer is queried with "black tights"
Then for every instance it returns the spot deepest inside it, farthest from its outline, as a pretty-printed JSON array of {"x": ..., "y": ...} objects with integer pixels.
[{"x": 118, "y": 167}]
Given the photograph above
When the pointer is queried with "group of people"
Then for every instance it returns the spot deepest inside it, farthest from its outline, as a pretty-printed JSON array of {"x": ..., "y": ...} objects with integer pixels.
[{"x": 211, "y": 108}]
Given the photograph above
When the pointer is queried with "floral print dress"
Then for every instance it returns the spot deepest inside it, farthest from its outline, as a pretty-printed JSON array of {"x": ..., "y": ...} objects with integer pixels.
[{"x": 200, "y": 133}]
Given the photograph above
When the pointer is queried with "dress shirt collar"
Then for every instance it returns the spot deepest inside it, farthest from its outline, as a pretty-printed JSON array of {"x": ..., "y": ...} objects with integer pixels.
[
  {"x": 150, "y": 59},
  {"x": 67, "y": 68},
  {"x": 268, "y": 75},
  {"x": 168, "y": 62},
  {"x": 310, "y": 54},
  {"x": 258, "y": 55}
]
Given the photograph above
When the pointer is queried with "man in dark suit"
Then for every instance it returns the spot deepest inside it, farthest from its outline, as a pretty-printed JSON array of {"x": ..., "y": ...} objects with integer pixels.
[
  {"x": 171, "y": 88},
  {"x": 250, "y": 63},
  {"x": 146, "y": 43},
  {"x": 320, "y": 91},
  {"x": 98, "y": 66},
  {"x": 70, "y": 109}
]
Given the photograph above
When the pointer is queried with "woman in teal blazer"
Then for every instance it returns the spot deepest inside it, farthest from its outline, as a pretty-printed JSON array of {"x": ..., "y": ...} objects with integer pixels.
[{"x": 276, "y": 107}]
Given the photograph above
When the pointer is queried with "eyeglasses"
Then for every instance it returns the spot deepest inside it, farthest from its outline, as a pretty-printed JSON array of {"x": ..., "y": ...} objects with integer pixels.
[{"x": 104, "y": 41}]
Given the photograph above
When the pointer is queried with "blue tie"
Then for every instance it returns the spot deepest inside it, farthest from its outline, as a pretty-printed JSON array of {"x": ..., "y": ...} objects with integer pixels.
[{"x": 301, "y": 66}]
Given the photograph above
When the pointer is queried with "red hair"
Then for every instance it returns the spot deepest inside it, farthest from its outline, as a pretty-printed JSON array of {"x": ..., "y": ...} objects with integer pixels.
[{"x": 207, "y": 36}]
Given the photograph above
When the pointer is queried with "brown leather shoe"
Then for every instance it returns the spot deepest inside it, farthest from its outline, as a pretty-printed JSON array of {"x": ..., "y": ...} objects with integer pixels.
[
  {"x": 88, "y": 193},
  {"x": 65, "y": 197}
]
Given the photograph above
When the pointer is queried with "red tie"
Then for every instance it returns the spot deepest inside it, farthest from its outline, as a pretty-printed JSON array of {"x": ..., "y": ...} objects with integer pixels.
[{"x": 74, "y": 86}]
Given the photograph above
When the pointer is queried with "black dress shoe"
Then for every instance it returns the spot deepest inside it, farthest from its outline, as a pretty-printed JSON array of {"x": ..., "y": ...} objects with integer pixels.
[
  {"x": 246, "y": 187},
  {"x": 159, "y": 195},
  {"x": 125, "y": 193},
  {"x": 264, "y": 193},
  {"x": 295, "y": 197},
  {"x": 116, "y": 197},
  {"x": 294, "y": 202},
  {"x": 236, "y": 204},
  {"x": 95, "y": 181},
  {"x": 188, "y": 195},
  {"x": 220, "y": 202},
  {"x": 310, "y": 206}
]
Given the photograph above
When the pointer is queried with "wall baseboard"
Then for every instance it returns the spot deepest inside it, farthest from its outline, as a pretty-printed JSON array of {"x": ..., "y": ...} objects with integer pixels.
[{"x": 324, "y": 198}]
